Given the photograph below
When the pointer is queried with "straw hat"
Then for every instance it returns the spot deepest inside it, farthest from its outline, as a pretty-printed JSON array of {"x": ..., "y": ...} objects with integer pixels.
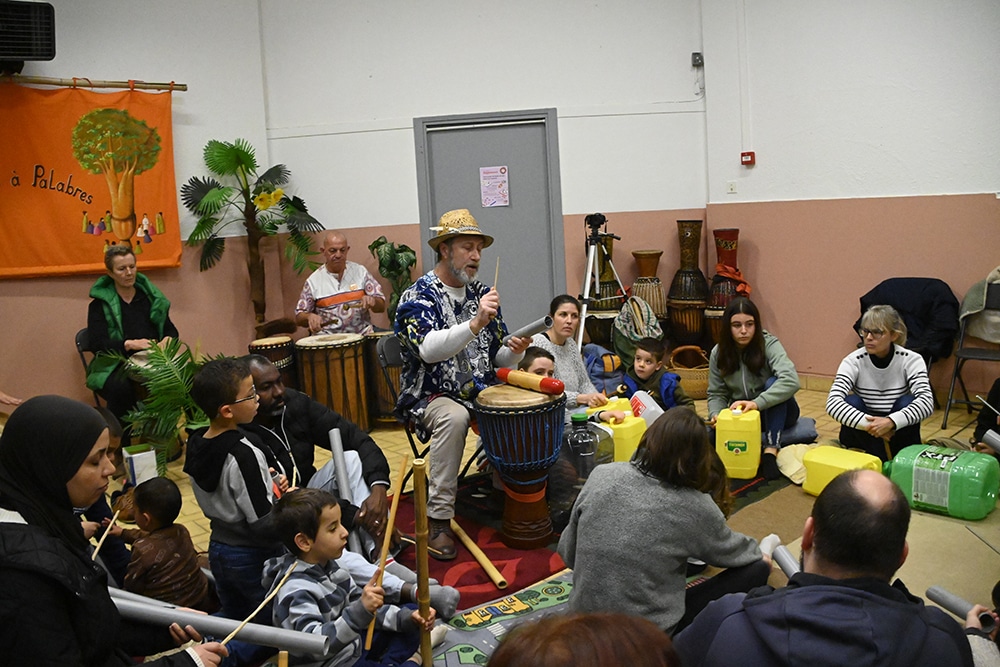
[{"x": 457, "y": 223}]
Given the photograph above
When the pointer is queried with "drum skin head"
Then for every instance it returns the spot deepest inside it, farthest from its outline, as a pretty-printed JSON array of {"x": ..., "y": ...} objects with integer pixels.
[
  {"x": 329, "y": 340},
  {"x": 508, "y": 396},
  {"x": 271, "y": 341}
]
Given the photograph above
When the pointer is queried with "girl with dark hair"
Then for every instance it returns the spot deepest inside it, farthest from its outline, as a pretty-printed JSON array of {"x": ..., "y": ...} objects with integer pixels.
[
  {"x": 635, "y": 524},
  {"x": 559, "y": 341},
  {"x": 750, "y": 370},
  {"x": 54, "y": 603}
]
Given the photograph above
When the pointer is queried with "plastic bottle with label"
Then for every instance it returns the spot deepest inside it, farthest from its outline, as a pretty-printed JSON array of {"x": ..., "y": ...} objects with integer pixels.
[{"x": 581, "y": 444}]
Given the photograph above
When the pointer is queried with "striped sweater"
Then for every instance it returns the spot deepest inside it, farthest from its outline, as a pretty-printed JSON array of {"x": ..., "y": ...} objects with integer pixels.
[
  {"x": 880, "y": 387},
  {"x": 322, "y": 599}
]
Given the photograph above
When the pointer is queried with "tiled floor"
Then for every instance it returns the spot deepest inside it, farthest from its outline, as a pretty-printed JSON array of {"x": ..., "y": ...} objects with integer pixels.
[{"x": 393, "y": 442}]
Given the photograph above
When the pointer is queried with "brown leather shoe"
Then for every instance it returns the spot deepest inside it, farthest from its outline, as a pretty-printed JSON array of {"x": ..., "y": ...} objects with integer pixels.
[{"x": 442, "y": 540}]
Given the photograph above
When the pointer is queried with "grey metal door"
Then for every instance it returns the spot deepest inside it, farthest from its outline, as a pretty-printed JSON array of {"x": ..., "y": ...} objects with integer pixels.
[{"x": 528, "y": 232}]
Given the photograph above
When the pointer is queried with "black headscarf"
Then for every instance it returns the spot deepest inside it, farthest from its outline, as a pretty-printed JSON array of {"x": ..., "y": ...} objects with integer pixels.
[{"x": 42, "y": 447}]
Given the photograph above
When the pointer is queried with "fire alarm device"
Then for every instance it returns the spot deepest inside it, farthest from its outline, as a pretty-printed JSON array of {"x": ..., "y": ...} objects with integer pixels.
[{"x": 748, "y": 158}]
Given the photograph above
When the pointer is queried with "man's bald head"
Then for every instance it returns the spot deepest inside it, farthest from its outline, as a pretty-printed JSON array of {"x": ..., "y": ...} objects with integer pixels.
[
  {"x": 334, "y": 248},
  {"x": 860, "y": 521}
]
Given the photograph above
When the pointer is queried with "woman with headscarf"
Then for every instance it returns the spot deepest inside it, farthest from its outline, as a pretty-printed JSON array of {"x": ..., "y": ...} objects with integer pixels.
[{"x": 55, "y": 608}]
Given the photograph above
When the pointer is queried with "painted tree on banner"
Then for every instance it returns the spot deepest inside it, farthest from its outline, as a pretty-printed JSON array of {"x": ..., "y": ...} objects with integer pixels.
[{"x": 114, "y": 143}]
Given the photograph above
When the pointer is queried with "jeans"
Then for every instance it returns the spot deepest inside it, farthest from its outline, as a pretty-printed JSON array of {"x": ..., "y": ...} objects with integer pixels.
[
  {"x": 776, "y": 418},
  {"x": 854, "y": 438},
  {"x": 237, "y": 572}
]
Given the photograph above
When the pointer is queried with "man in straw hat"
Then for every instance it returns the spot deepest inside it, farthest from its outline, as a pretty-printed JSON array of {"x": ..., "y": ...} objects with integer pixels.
[{"x": 452, "y": 334}]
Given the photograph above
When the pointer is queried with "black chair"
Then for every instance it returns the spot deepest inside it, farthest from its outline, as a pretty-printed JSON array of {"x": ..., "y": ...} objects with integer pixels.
[
  {"x": 390, "y": 355},
  {"x": 928, "y": 308},
  {"x": 964, "y": 354},
  {"x": 83, "y": 348}
]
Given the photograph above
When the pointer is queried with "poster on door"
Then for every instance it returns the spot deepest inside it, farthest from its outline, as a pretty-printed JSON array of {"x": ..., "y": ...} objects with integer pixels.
[
  {"x": 81, "y": 171},
  {"x": 494, "y": 187}
]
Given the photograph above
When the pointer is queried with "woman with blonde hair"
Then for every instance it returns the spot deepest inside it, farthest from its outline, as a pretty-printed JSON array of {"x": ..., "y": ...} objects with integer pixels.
[{"x": 881, "y": 393}]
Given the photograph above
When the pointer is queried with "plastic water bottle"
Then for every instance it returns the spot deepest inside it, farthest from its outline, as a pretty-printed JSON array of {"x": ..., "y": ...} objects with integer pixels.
[{"x": 582, "y": 445}]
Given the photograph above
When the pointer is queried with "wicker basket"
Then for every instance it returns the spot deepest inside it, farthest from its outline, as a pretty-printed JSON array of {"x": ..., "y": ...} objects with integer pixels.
[{"x": 691, "y": 365}]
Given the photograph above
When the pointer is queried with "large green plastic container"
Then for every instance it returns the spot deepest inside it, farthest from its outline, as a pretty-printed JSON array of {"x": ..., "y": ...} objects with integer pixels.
[{"x": 947, "y": 481}]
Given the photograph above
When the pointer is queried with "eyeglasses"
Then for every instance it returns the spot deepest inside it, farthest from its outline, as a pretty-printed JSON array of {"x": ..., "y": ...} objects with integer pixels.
[
  {"x": 874, "y": 333},
  {"x": 251, "y": 397}
]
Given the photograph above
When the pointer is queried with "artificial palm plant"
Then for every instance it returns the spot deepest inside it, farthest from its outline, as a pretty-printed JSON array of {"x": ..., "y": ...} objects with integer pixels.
[
  {"x": 394, "y": 262},
  {"x": 257, "y": 201},
  {"x": 157, "y": 420}
]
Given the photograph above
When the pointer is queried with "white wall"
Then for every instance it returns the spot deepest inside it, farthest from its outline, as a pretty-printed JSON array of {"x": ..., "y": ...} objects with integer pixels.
[
  {"x": 852, "y": 98},
  {"x": 213, "y": 47},
  {"x": 345, "y": 80}
]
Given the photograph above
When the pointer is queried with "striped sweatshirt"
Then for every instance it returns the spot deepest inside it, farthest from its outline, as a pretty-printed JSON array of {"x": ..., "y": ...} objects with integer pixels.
[
  {"x": 880, "y": 387},
  {"x": 322, "y": 599}
]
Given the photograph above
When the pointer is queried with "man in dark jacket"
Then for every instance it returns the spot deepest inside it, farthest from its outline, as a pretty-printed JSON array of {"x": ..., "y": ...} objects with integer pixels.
[
  {"x": 292, "y": 424},
  {"x": 841, "y": 609}
]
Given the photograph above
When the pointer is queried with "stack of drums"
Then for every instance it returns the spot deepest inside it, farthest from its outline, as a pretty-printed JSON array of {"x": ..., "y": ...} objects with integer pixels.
[
  {"x": 332, "y": 371},
  {"x": 380, "y": 395},
  {"x": 522, "y": 434},
  {"x": 281, "y": 352},
  {"x": 688, "y": 294},
  {"x": 723, "y": 288},
  {"x": 647, "y": 285}
]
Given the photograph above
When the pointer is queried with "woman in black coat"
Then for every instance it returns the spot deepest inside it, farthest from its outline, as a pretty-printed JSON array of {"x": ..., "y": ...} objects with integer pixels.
[{"x": 55, "y": 608}]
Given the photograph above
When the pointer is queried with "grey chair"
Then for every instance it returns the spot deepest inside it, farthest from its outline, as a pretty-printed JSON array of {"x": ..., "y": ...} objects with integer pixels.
[{"x": 965, "y": 354}]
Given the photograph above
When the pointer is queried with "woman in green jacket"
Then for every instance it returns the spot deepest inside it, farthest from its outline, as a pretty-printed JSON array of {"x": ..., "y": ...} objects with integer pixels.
[{"x": 128, "y": 314}]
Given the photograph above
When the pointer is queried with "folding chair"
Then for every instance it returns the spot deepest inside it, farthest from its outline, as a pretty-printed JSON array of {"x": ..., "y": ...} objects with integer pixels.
[
  {"x": 390, "y": 355},
  {"x": 964, "y": 354},
  {"x": 83, "y": 347}
]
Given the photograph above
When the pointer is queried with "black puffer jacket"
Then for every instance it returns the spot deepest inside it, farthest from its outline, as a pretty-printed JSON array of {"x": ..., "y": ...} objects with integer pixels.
[{"x": 55, "y": 608}]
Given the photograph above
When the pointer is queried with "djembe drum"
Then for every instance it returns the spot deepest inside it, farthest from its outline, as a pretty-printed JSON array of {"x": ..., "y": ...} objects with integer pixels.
[
  {"x": 280, "y": 351},
  {"x": 688, "y": 293},
  {"x": 522, "y": 434},
  {"x": 332, "y": 371},
  {"x": 600, "y": 325},
  {"x": 380, "y": 395}
]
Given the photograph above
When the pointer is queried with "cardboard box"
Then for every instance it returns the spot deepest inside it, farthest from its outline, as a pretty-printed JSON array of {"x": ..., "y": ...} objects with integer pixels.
[{"x": 140, "y": 463}]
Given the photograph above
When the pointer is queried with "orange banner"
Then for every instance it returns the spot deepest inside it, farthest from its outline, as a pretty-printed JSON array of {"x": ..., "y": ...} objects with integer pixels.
[{"x": 80, "y": 171}]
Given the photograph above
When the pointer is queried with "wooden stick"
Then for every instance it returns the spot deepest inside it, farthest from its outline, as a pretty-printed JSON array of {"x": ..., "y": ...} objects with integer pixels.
[
  {"x": 267, "y": 599},
  {"x": 107, "y": 530},
  {"x": 410, "y": 540},
  {"x": 423, "y": 568},
  {"x": 282, "y": 658},
  {"x": 496, "y": 276},
  {"x": 387, "y": 537},
  {"x": 484, "y": 562}
]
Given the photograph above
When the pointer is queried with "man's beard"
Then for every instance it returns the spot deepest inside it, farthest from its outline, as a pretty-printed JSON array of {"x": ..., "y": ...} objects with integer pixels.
[{"x": 459, "y": 274}]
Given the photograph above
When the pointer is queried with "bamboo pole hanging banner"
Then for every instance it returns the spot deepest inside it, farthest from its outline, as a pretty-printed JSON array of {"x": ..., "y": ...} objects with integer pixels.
[{"x": 82, "y": 82}]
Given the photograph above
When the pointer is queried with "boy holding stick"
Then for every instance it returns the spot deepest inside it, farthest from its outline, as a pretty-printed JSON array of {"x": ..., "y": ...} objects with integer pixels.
[{"x": 320, "y": 596}]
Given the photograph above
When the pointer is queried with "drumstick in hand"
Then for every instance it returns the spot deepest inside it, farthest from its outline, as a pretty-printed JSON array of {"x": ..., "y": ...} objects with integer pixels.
[
  {"x": 107, "y": 530},
  {"x": 496, "y": 276},
  {"x": 396, "y": 491}
]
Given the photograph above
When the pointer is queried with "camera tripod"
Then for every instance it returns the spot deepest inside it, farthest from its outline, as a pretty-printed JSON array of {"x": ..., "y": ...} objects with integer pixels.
[{"x": 595, "y": 221}]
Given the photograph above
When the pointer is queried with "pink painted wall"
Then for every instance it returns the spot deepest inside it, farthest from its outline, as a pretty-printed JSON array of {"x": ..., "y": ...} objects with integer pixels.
[
  {"x": 808, "y": 263},
  {"x": 212, "y": 310}
]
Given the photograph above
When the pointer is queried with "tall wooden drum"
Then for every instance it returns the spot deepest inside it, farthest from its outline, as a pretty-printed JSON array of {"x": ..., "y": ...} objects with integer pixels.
[
  {"x": 600, "y": 325},
  {"x": 332, "y": 371},
  {"x": 522, "y": 434},
  {"x": 280, "y": 351},
  {"x": 380, "y": 401}
]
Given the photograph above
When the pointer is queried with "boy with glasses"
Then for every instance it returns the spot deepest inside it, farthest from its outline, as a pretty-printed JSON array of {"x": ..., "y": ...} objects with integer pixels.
[{"x": 230, "y": 473}]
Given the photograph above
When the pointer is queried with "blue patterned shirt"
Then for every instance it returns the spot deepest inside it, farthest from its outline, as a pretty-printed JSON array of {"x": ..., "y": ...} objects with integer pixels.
[{"x": 427, "y": 306}]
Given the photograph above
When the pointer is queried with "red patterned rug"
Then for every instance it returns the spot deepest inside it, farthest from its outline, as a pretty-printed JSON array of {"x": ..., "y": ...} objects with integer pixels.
[{"x": 520, "y": 568}]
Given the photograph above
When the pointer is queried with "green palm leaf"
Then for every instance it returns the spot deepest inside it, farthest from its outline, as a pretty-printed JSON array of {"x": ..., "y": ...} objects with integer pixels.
[
  {"x": 211, "y": 252},
  {"x": 229, "y": 159}
]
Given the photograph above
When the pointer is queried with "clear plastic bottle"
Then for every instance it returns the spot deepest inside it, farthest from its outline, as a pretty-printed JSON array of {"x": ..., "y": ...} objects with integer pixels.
[{"x": 581, "y": 444}]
